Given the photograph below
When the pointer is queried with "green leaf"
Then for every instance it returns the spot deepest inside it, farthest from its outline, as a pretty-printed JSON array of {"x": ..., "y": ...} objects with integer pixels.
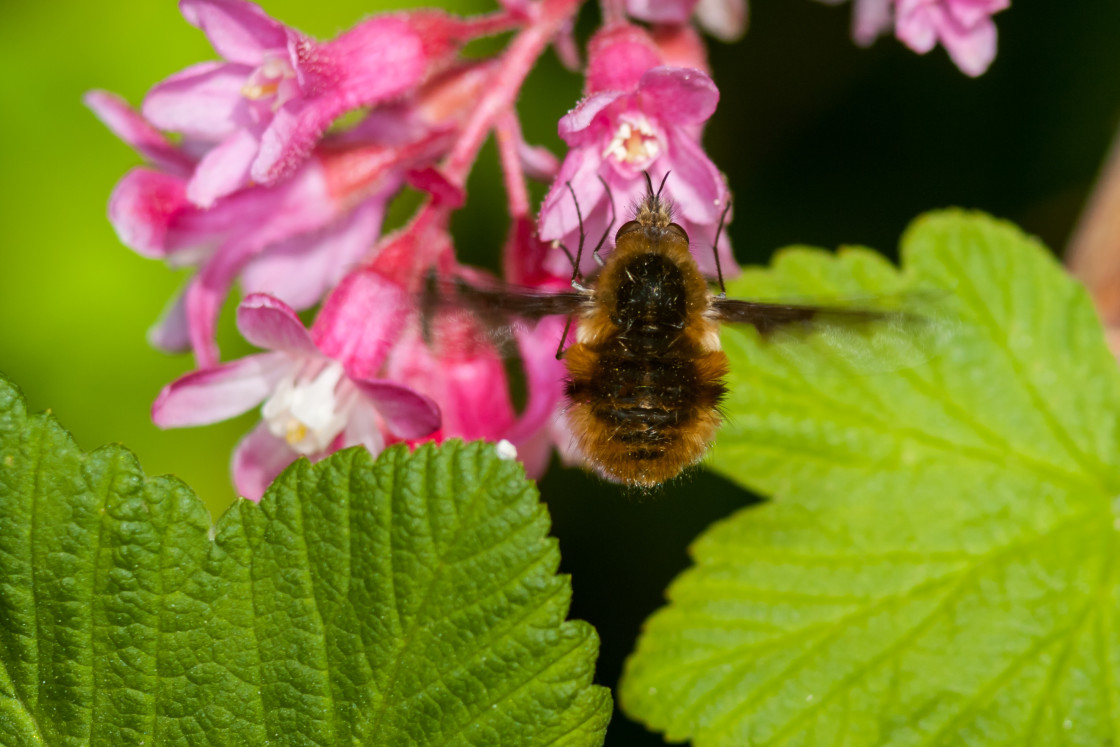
[
  {"x": 412, "y": 600},
  {"x": 940, "y": 565}
]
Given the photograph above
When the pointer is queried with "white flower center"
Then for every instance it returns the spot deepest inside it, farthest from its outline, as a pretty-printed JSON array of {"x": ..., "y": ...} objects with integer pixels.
[
  {"x": 274, "y": 79},
  {"x": 310, "y": 407},
  {"x": 635, "y": 142}
]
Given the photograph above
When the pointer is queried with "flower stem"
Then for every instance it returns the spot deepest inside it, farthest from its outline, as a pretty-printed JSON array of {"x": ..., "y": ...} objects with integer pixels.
[
  {"x": 613, "y": 11},
  {"x": 506, "y": 84},
  {"x": 509, "y": 138}
]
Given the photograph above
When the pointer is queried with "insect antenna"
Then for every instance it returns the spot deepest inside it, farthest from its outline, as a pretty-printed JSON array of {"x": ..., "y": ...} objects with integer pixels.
[
  {"x": 715, "y": 249},
  {"x": 610, "y": 225},
  {"x": 663, "y": 180}
]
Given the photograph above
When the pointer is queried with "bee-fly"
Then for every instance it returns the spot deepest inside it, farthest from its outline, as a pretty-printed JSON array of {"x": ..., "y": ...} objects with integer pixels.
[{"x": 646, "y": 372}]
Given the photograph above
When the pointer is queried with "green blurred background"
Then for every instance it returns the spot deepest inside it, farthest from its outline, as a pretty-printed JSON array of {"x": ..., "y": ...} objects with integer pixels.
[{"x": 823, "y": 143}]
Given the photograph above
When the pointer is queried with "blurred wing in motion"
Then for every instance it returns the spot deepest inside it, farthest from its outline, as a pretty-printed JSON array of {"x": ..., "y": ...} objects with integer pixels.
[
  {"x": 851, "y": 337},
  {"x": 493, "y": 312},
  {"x": 500, "y": 298}
]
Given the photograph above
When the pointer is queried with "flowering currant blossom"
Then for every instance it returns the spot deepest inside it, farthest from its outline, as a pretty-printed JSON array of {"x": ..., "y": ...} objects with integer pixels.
[
  {"x": 963, "y": 27},
  {"x": 312, "y": 404},
  {"x": 724, "y": 19},
  {"x": 542, "y": 424},
  {"x": 264, "y": 107},
  {"x": 639, "y": 117},
  {"x": 450, "y": 357},
  {"x": 295, "y": 239}
]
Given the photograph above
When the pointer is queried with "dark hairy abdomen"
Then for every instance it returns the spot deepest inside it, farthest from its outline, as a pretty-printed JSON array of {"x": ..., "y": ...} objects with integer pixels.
[
  {"x": 646, "y": 385},
  {"x": 645, "y": 399}
]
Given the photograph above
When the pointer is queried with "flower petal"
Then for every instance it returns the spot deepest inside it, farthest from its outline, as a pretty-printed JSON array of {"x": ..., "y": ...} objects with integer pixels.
[
  {"x": 377, "y": 60},
  {"x": 700, "y": 238},
  {"x": 695, "y": 184},
  {"x": 544, "y": 378},
  {"x": 407, "y": 413},
  {"x": 204, "y": 298},
  {"x": 361, "y": 320},
  {"x": 225, "y": 169},
  {"x": 127, "y": 124},
  {"x": 300, "y": 270},
  {"x": 204, "y": 101},
  {"x": 573, "y": 124},
  {"x": 467, "y": 380},
  {"x": 213, "y": 394},
  {"x": 971, "y": 49},
  {"x": 142, "y": 208},
  {"x": 870, "y": 20},
  {"x": 255, "y": 219},
  {"x": 972, "y": 13},
  {"x": 271, "y": 324},
  {"x": 726, "y": 20},
  {"x": 661, "y": 11},
  {"x": 678, "y": 95},
  {"x": 288, "y": 139},
  {"x": 617, "y": 55},
  {"x": 171, "y": 333},
  {"x": 239, "y": 31},
  {"x": 364, "y": 429},
  {"x": 258, "y": 459},
  {"x": 538, "y": 161},
  {"x": 916, "y": 25},
  {"x": 558, "y": 217}
]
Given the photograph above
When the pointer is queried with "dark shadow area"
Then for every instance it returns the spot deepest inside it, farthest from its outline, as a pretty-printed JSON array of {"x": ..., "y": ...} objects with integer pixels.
[{"x": 622, "y": 548}]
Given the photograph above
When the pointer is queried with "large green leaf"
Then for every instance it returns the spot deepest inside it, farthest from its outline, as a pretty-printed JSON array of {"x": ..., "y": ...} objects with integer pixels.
[
  {"x": 940, "y": 565},
  {"x": 412, "y": 600}
]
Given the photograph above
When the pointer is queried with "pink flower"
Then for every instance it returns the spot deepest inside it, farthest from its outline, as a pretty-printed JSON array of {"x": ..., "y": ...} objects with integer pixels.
[
  {"x": 466, "y": 374},
  {"x": 367, "y": 322},
  {"x": 295, "y": 239},
  {"x": 661, "y": 11},
  {"x": 638, "y": 118},
  {"x": 139, "y": 134},
  {"x": 964, "y": 28},
  {"x": 724, "y": 19},
  {"x": 312, "y": 405},
  {"x": 681, "y": 46},
  {"x": 265, "y": 106},
  {"x": 541, "y": 425}
]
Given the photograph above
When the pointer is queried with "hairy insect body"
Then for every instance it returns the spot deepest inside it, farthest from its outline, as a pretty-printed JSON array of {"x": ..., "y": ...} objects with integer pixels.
[{"x": 646, "y": 373}]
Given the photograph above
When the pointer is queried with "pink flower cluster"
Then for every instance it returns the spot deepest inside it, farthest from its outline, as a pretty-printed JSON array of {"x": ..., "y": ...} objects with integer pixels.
[
  {"x": 251, "y": 181},
  {"x": 963, "y": 27}
]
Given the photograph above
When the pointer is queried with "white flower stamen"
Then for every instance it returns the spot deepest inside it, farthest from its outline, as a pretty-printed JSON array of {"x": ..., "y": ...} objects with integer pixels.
[
  {"x": 635, "y": 143},
  {"x": 310, "y": 407}
]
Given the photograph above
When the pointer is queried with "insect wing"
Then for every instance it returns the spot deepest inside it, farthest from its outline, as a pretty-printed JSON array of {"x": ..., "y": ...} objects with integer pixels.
[
  {"x": 488, "y": 312},
  {"x": 843, "y": 338}
]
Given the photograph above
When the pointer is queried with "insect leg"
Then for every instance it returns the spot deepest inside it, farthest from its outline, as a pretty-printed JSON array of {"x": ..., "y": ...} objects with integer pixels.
[
  {"x": 560, "y": 350},
  {"x": 715, "y": 250},
  {"x": 576, "y": 277},
  {"x": 610, "y": 225},
  {"x": 568, "y": 252}
]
